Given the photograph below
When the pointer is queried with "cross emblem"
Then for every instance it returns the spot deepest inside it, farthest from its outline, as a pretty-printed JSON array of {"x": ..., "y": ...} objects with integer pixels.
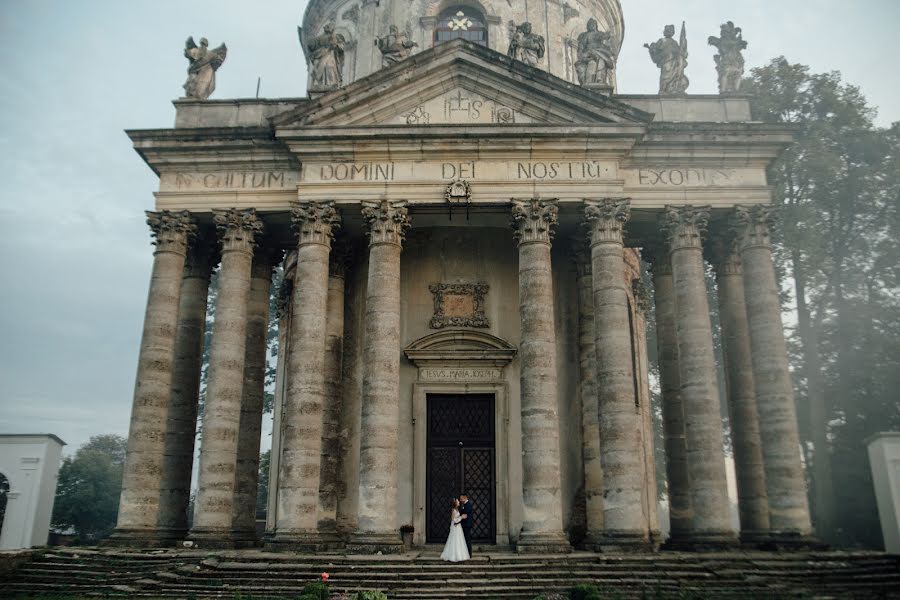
[{"x": 460, "y": 22}]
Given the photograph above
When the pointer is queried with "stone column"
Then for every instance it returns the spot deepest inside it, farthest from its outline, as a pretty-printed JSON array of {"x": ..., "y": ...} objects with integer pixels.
[
  {"x": 785, "y": 483},
  {"x": 213, "y": 515},
  {"x": 139, "y": 508},
  {"x": 534, "y": 221},
  {"x": 681, "y": 512},
  {"x": 753, "y": 503},
  {"x": 297, "y": 521},
  {"x": 182, "y": 421},
  {"x": 590, "y": 414},
  {"x": 377, "y": 527},
  {"x": 686, "y": 227},
  {"x": 621, "y": 451},
  {"x": 330, "y": 478},
  {"x": 247, "y": 472}
]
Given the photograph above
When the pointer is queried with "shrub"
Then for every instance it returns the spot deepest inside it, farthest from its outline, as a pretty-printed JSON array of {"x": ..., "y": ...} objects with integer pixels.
[
  {"x": 585, "y": 591},
  {"x": 370, "y": 595},
  {"x": 315, "y": 591}
]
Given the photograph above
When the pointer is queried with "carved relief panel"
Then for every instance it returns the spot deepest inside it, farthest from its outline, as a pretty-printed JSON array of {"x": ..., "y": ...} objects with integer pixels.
[{"x": 459, "y": 305}]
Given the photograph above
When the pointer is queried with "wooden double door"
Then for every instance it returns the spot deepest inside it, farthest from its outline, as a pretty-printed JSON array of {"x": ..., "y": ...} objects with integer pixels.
[{"x": 460, "y": 459}]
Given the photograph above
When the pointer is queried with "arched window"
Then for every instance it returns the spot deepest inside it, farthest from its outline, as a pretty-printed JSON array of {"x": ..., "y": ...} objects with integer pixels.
[{"x": 461, "y": 22}]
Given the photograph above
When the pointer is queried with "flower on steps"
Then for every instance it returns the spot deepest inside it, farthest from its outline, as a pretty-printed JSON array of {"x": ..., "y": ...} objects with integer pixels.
[{"x": 325, "y": 577}]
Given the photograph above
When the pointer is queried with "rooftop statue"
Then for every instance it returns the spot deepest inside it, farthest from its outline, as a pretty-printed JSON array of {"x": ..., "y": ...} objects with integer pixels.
[
  {"x": 729, "y": 60},
  {"x": 526, "y": 46},
  {"x": 326, "y": 55},
  {"x": 395, "y": 46},
  {"x": 671, "y": 58},
  {"x": 204, "y": 63},
  {"x": 596, "y": 58}
]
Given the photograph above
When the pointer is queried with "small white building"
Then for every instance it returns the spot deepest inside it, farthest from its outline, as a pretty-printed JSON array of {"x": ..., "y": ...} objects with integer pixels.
[{"x": 30, "y": 464}]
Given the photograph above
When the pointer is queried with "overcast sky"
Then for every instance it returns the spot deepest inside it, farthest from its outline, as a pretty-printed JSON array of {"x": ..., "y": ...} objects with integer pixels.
[{"x": 75, "y": 252}]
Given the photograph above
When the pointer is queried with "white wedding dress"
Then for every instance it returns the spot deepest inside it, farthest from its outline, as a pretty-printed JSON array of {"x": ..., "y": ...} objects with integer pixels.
[{"x": 455, "y": 549}]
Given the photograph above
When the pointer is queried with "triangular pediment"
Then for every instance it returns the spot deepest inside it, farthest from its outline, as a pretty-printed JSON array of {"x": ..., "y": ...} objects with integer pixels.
[{"x": 460, "y": 83}]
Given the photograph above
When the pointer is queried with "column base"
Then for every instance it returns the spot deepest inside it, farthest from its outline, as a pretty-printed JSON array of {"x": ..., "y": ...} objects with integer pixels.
[
  {"x": 790, "y": 540},
  {"x": 214, "y": 538},
  {"x": 145, "y": 538},
  {"x": 699, "y": 541},
  {"x": 303, "y": 541},
  {"x": 364, "y": 542},
  {"x": 621, "y": 541},
  {"x": 544, "y": 543}
]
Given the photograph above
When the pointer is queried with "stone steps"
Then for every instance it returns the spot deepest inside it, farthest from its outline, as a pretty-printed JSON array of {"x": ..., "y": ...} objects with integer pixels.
[{"x": 493, "y": 576}]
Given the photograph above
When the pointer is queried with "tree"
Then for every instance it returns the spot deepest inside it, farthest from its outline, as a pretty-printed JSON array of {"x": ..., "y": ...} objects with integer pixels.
[
  {"x": 87, "y": 494},
  {"x": 262, "y": 485},
  {"x": 838, "y": 246}
]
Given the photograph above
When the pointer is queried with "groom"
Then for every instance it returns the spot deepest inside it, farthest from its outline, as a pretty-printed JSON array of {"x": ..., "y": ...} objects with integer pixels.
[{"x": 465, "y": 510}]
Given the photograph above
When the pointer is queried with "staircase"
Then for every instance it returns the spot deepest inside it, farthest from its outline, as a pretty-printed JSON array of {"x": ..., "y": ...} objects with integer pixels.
[{"x": 259, "y": 575}]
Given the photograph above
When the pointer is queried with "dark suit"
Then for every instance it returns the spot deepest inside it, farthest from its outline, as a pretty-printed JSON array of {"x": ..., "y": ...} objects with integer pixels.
[{"x": 466, "y": 524}]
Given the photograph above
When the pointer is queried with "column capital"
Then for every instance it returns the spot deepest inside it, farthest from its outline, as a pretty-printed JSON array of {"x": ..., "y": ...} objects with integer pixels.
[
  {"x": 685, "y": 226},
  {"x": 238, "y": 228},
  {"x": 657, "y": 255},
  {"x": 534, "y": 220},
  {"x": 315, "y": 222},
  {"x": 606, "y": 219},
  {"x": 752, "y": 225},
  {"x": 724, "y": 255},
  {"x": 171, "y": 231},
  {"x": 386, "y": 222}
]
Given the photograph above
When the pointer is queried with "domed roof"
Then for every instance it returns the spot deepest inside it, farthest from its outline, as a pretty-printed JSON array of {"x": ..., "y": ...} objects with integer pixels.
[{"x": 489, "y": 22}]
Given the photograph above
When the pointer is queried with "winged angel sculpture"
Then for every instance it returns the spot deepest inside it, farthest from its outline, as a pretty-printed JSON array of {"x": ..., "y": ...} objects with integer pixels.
[{"x": 204, "y": 63}]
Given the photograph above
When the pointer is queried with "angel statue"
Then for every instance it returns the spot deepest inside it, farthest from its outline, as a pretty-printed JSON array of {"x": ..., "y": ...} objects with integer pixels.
[
  {"x": 671, "y": 58},
  {"x": 204, "y": 63},
  {"x": 326, "y": 53},
  {"x": 395, "y": 46},
  {"x": 729, "y": 61},
  {"x": 596, "y": 58},
  {"x": 526, "y": 46}
]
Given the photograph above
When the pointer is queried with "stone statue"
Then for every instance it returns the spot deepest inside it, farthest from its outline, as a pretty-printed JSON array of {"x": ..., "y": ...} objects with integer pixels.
[
  {"x": 204, "y": 63},
  {"x": 526, "y": 46},
  {"x": 327, "y": 60},
  {"x": 671, "y": 58},
  {"x": 596, "y": 58},
  {"x": 395, "y": 46},
  {"x": 729, "y": 60}
]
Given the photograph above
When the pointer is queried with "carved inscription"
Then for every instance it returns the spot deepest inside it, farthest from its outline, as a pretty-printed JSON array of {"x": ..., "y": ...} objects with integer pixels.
[
  {"x": 471, "y": 171},
  {"x": 358, "y": 172},
  {"x": 683, "y": 177},
  {"x": 449, "y": 374},
  {"x": 236, "y": 180}
]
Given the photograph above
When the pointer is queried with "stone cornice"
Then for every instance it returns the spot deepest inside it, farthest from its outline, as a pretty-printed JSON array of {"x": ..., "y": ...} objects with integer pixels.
[
  {"x": 606, "y": 219},
  {"x": 386, "y": 222},
  {"x": 534, "y": 220},
  {"x": 686, "y": 226},
  {"x": 171, "y": 231},
  {"x": 315, "y": 222},
  {"x": 238, "y": 229}
]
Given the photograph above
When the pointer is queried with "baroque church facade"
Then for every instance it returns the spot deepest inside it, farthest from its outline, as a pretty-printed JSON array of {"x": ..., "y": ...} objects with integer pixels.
[{"x": 473, "y": 225}]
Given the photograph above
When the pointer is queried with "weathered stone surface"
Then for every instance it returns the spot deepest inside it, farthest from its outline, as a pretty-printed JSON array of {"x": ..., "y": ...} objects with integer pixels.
[
  {"x": 542, "y": 530},
  {"x": 377, "y": 527},
  {"x": 785, "y": 482},
  {"x": 139, "y": 508},
  {"x": 204, "y": 63},
  {"x": 213, "y": 518},
  {"x": 671, "y": 58},
  {"x": 686, "y": 228},
  {"x": 624, "y": 520},
  {"x": 297, "y": 519},
  {"x": 527, "y": 46},
  {"x": 753, "y": 502},
  {"x": 729, "y": 60},
  {"x": 182, "y": 418}
]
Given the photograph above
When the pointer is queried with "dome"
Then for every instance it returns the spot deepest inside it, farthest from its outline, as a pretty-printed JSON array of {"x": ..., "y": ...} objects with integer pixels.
[{"x": 488, "y": 22}]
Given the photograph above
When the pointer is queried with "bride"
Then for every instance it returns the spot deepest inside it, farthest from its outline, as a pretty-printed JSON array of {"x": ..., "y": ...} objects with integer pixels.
[{"x": 455, "y": 549}]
